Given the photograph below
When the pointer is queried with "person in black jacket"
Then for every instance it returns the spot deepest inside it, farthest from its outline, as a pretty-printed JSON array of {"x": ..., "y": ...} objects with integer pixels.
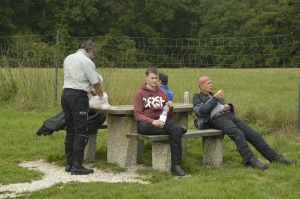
[{"x": 212, "y": 111}]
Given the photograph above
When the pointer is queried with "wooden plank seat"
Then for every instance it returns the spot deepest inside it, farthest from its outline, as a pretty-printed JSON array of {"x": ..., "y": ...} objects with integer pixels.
[{"x": 212, "y": 147}]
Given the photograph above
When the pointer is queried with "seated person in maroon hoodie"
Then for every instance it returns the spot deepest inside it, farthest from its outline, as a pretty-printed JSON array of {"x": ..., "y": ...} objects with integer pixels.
[{"x": 149, "y": 101}]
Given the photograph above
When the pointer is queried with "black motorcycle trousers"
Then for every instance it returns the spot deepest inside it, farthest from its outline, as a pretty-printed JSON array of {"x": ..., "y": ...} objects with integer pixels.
[
  {"x": 240, "y": 133},
  {"x": 75, "y": 104}
]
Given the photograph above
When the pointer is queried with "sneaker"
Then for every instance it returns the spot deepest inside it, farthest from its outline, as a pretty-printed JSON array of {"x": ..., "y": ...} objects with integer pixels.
[
  {"x": 283, "y": 160},
  {"x": 177, "y": 171},
  {"x": 78, "y": 169},
  {"x": 255, "y": 163}
]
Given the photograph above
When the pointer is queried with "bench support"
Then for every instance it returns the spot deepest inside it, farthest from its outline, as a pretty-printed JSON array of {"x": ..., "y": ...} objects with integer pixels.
[
  {"x": 161, "y": 156},
  {"x": 90, "y": 148},
  {"x": 212, "y": 148}
]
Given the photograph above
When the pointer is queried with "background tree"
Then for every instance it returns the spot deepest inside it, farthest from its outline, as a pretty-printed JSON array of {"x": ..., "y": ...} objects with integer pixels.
[
  {"x": 6, "y": 20},
  {"x": 174, "y": 33}
]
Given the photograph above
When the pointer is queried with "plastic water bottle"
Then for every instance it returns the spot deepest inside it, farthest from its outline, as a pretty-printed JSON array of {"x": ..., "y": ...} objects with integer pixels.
[
  {"x": 164, "y": 114},
  {"x": 186, "y": 97}
]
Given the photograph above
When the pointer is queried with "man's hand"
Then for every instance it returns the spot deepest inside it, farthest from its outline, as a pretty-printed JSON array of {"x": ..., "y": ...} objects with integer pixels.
[
  {"x": 218, "y": 94},
  {"x": 103, "y": 98},
  {"x": 226, "y": 107},
  {"x": 158, "y": 123},
  {"x": 170, "y": 104},
  {"x": 93, "y": 93}
]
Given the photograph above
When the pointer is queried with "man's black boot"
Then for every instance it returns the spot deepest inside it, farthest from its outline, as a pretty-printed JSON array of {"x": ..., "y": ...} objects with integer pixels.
[
  {"x": 69, "y": 164},
  {"x": 68, "y": 168},
  {"x": 177, "y": 171},
  {"x": 255, "y": 163},
  {"x": 78, "y": 169},
  {"x": 283, "y": 160},
  {"x": 184, "y": 129}
]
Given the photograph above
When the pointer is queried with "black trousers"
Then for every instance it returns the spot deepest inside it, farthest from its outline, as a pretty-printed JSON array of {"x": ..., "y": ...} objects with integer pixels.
[
  {"x": 240, "y": 133},
  {"x": 171, "y": 128},
  {"x": 75, "y": 104}
]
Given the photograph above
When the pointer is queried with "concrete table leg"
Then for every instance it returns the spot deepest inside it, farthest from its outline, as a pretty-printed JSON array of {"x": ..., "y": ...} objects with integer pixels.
[
  {"x": 182, "y": 119},
  {"x": 120, "y": 149},
  {"x": 140, "y": 147}
]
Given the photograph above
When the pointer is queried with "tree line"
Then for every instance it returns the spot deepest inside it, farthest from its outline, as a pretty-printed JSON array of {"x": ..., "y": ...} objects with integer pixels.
[{"x": 198, "y": 20}]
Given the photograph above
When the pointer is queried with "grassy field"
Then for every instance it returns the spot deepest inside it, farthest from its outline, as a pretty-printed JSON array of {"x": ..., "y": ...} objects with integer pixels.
[{"x": 266, "y": 98}]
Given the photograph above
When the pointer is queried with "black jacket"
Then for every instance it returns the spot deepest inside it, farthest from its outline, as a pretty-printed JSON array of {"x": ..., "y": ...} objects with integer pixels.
[
  {"x": 203, "y": 104},
  {"x": 57, "y": 122}
]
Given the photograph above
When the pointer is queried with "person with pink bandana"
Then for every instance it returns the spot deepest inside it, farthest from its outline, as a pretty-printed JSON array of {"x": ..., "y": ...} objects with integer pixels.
[{"x": 212, "y": 111}]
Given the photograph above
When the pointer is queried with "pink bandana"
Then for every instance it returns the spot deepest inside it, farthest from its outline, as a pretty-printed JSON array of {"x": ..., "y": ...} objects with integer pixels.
[{"x": 203, "y": 80}]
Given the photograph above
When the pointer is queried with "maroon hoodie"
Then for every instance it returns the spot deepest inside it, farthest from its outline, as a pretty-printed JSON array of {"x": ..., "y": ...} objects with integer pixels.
[{"x": 149, "y": 103}]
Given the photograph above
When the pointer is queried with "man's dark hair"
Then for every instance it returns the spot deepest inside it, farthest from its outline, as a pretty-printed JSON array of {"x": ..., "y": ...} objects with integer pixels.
[
  {"x": 152, "y": 70},
  {"x": 163, "y": 78}
]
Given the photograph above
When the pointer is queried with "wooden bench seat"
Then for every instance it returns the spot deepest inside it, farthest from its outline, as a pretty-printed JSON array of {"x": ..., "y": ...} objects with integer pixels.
[{"x": 212, "y": 147}]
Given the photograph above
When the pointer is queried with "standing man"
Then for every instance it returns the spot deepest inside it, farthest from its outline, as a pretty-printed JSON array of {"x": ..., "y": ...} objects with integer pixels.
[
  {"x": 79, "y": 77},
  {"x": 149, "y": 101},
  {"x": 213, "y": 111},
  {"x": 163, "y": 84}
]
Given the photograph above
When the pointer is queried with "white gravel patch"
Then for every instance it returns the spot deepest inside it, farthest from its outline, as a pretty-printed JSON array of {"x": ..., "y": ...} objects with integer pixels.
[{"x": 55, "y": 174}]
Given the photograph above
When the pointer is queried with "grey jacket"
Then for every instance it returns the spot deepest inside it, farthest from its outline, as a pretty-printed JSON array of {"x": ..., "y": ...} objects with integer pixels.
[{"x": 203, "y": 104}]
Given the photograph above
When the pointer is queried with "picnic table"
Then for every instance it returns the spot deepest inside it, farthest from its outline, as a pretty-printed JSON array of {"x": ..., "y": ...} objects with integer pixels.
[{"x": 120, "y": 121}]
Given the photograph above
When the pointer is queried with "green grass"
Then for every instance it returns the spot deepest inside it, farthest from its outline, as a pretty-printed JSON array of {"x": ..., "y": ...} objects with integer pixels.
[
  {"x": 266, "y": 98},
  {"x": 268, "y": 95}
]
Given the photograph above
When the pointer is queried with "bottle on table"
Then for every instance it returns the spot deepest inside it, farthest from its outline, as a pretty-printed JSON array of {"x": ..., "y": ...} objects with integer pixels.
[{"x": 186, "y": 97}]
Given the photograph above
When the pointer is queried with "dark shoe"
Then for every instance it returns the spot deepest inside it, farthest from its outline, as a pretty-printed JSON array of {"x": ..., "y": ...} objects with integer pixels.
[
  {"x": 283, "y": 160},
  {"x": 184, "y": 129},
  {"x": 255, "y": 163},
  {"x": 247, "y": 164},
  {"x": 177, "y": 171},
  {"x": 78, "y": 169},
  {"x": 68, "y": 168}
]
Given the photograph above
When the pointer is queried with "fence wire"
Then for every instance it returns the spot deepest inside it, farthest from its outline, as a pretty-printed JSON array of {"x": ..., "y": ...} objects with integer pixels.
[{"x": 136, "y": 52}]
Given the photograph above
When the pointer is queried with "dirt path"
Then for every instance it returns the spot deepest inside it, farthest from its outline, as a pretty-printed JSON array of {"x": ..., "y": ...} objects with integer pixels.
[{"x": 55, "y": 174}]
